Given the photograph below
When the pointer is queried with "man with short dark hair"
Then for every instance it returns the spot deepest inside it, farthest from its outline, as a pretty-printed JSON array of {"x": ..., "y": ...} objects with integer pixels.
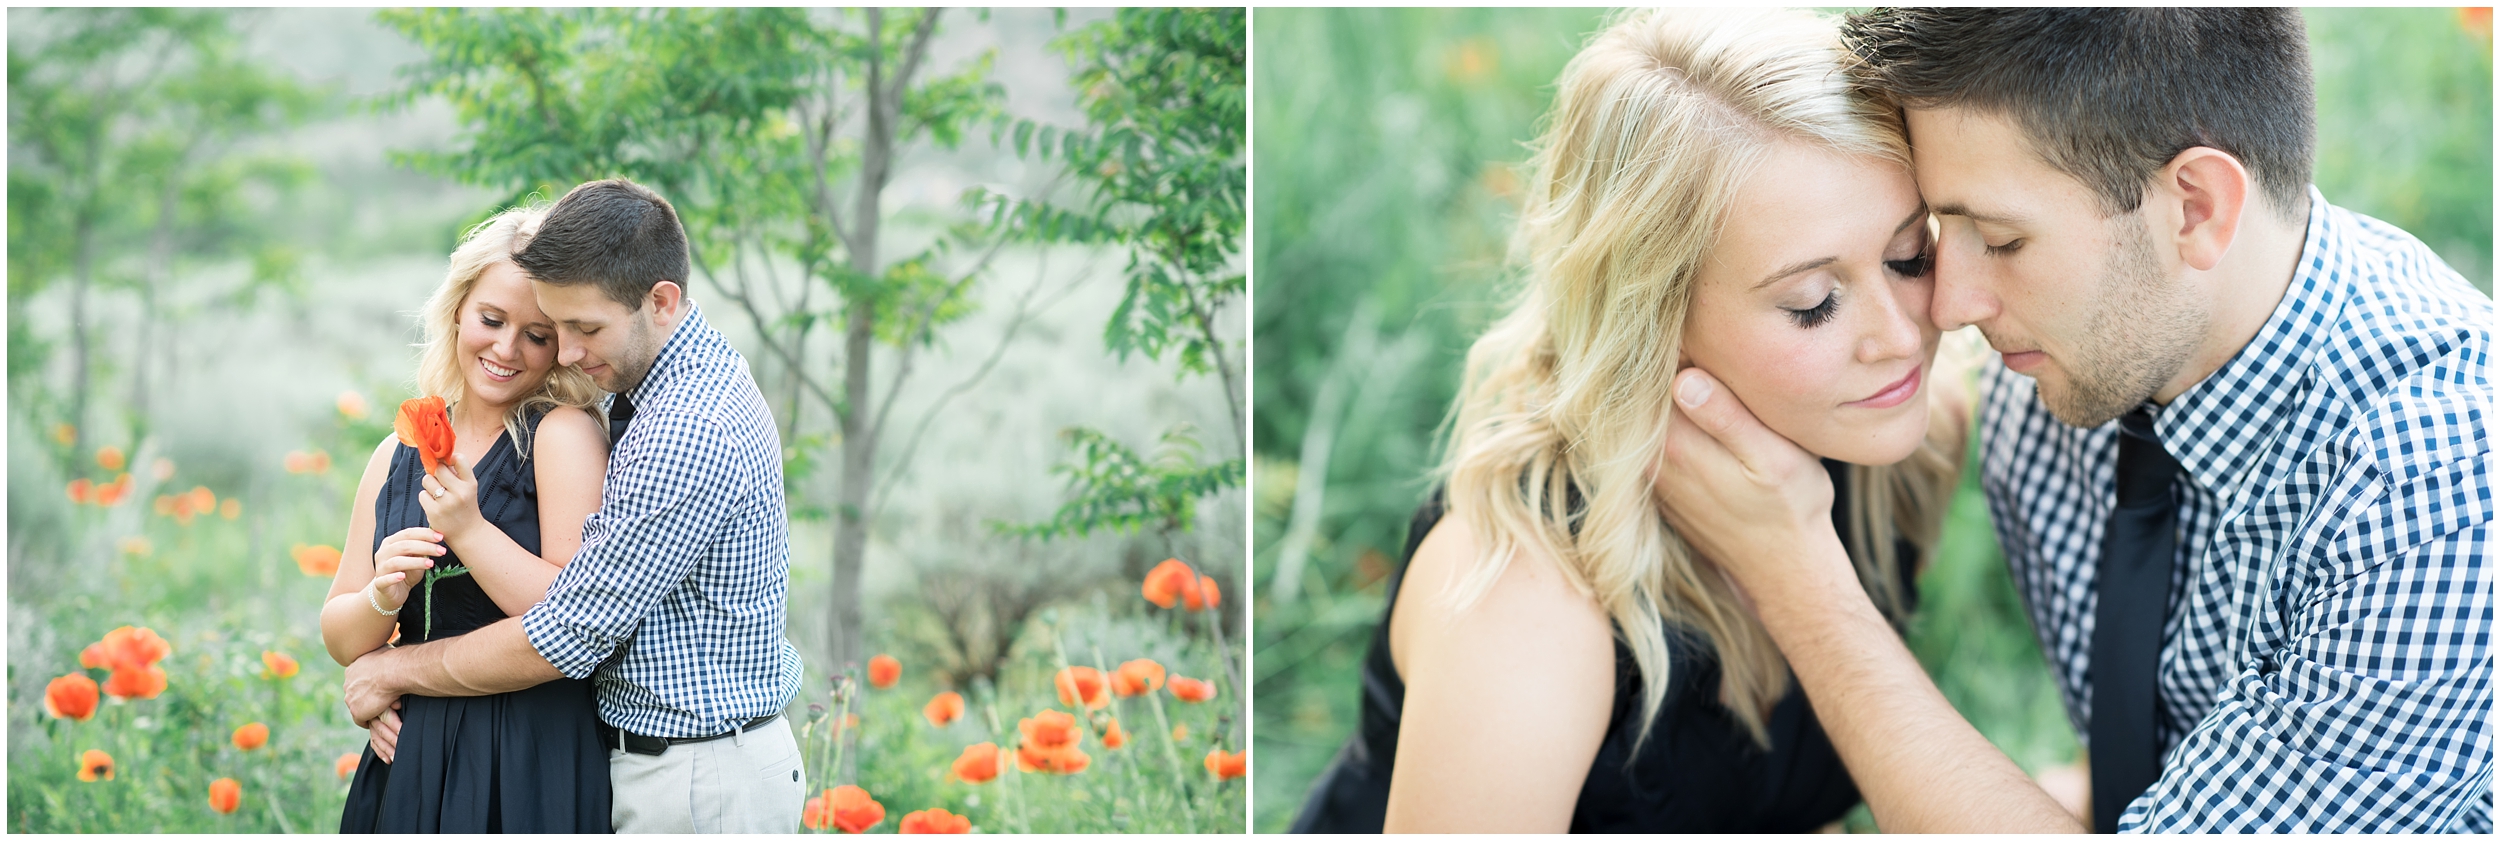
[
  {"x": 676, "y": 600},
  {"x": 2234, "y": 451}
]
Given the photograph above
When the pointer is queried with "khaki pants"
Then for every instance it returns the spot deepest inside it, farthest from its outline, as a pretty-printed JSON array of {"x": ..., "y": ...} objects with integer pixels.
[{"x": 747, "y": 783}]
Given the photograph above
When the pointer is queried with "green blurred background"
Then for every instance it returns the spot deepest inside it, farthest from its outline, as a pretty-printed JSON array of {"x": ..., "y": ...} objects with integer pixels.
[{"x": 1383, "y": 146}]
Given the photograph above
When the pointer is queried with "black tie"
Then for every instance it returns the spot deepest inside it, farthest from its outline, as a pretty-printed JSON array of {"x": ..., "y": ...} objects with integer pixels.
[
  {"x": 2136, "y": 554},
  {"x": 620, "y": 413}
]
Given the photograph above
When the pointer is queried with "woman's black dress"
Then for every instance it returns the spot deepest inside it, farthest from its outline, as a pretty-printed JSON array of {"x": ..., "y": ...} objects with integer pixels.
[
  {"x": 1699, "y": 771},
  {"x": 527, "y": 761}
]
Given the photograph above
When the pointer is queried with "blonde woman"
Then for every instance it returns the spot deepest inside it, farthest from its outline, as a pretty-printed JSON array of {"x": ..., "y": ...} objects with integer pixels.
[
  {"x": 1708, "y": 192},
  {"x": 436, "y": 556}
]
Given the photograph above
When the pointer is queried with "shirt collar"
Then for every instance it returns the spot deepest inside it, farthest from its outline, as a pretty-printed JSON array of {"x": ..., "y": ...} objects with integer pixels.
[
  {"x": 2221, "y": 427},
  {"x": 663, "y": 366}
]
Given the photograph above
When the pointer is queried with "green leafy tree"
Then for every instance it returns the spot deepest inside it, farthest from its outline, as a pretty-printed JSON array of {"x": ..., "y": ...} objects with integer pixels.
[
  {"x": 1161, "y": 163},
  {"x": 130, "y": 135}
]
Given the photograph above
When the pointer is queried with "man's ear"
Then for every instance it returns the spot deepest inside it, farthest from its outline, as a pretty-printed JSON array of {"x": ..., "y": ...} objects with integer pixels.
[
  {"x": 2209, "y": 192},
  {"x": 667, "y": 300}
]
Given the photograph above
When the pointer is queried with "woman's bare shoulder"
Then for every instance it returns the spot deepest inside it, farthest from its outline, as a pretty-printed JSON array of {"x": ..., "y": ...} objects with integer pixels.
[
  {"x": 569, "y": 439},
  {"x": 1531, "y": 601}
]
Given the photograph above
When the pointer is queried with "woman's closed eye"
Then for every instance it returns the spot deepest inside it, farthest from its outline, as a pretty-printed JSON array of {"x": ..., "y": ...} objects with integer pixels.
[{"x": 1817, "y": 315}]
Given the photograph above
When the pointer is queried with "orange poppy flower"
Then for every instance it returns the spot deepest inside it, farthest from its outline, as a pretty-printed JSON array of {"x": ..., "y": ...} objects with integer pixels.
[
  {"x": 818, "y": 813},
  {"x": 230, "y": 509},
  {"x": 164, "y": 506},
  {"x": 1081, "y": 684},
  {"x": 251, "y": 736},
  {"x": 112, "y": 493},
  {"x": 202, "y": 500},
  {"x": 320, "y": 461},
  {"x": 1192, "y": 689},
  {"x": 1050, "y": 729},
  {"x": 424, "y": 425},
  {"x": 319, "y": 561},
  {"x": 136, "y": 546},
  {"x": 944, "y": 709},
  {"x": 1226, "y": 766},
  {"x": 346, "y": 765},
  {"x": 853, "y": 810},
  {"x": 140, "y": 683},
  {"x": 127, "y": 647},
  {"x": 1206, "y": 587},
  {"x": 883, "y": 671},
  {"x": 1165, "y": 582},
  {"x": 298, "y": 461},
  {"x": 1113, "y": 737},
  {"x": 71, "y": 696},
  {"x": 978, "y": 765},
  {"x": 1067, "y": 760},
  {"x": 1137, "y": 677},
  {"x": 110, "y": 458},
  {"x": 225, "y": 795},
  {"x": 95, "y": 765},
  {"x": 935, "y": 822},
  {"x": 65, "y": 434},
  {"x": 278, "y": 665},
  {"x": 352, "y": 404},
  {"x": 81, "y": 490},
  {"x": 1180, "y": 732},
  {"x": 1173, "y": 582}
]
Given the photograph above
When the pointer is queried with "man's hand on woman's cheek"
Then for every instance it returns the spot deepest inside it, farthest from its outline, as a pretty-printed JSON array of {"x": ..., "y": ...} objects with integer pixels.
[{"x": 1746, "y": 498}]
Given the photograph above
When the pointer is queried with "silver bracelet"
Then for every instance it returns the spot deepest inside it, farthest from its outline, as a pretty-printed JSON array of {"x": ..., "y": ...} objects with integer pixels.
[{"x": 377, "y": 603}]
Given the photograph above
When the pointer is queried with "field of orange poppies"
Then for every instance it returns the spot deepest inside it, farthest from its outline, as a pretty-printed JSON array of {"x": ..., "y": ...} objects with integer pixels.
[{"x": 175, "y": 680}]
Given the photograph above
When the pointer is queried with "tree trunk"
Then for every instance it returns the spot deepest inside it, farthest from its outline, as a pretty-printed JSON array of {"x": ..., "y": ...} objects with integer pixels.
[{"x": 78, "y": 334}]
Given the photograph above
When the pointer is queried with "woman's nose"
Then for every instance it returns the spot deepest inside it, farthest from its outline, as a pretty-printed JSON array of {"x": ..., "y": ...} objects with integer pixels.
[{"x": 1898, "y": 325}]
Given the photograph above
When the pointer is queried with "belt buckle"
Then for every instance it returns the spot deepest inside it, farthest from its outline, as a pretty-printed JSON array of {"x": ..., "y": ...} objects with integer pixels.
[{"x": 645, "y": 745}]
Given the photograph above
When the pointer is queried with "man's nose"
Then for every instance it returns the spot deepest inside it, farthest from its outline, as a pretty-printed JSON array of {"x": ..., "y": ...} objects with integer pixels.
[
  {"x": 569, "y": 351},
  {"x": 1962, "y": 295}
]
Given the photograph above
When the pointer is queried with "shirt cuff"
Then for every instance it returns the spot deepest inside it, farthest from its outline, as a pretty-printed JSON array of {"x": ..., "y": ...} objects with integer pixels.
[{"x": 572, "y": 648}]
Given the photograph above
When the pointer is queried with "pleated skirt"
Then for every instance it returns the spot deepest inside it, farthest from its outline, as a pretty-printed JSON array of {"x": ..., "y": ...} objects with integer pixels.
[{"x": 527, "y": 761}]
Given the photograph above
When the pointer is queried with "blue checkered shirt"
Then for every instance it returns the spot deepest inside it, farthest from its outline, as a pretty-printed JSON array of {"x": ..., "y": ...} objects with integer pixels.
[
  {"x": 686, "y": 564},
  {"x": 2326, "y": 661}
]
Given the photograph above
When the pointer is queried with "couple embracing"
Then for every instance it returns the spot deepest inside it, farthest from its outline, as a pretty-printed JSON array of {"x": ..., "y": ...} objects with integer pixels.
[
  {"x": 588, "y": 600},
  {"x": 2233, "y": 446}
]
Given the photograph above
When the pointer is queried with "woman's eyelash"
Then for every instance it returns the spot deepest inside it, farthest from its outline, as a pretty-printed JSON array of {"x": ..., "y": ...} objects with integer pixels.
[
  {"x": 1820, "y": 314},
  {"x": 1917, "y": 266}
]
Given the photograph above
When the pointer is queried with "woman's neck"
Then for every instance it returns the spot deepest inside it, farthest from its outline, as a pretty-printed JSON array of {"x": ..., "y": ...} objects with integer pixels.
[{"x": 477, "y": 420}]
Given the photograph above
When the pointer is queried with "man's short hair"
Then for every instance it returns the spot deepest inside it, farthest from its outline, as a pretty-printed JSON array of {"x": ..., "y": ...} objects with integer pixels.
[
  {"x": 2110, "y": 96},
  {"x": 614, "y": 233}
]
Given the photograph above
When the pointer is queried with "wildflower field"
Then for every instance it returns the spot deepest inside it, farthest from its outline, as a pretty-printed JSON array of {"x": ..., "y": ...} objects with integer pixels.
[{"x": 180, "y": 685}]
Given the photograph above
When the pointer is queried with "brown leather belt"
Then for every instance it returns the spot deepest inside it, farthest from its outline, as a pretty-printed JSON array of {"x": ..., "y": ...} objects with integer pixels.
[{"x": 631, "y": 742}]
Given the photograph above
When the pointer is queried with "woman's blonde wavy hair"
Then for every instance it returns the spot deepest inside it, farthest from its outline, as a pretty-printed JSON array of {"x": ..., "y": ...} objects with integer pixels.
[
  {"x": 1656, "y": 126},
  {"x": 438, "y": 357}
]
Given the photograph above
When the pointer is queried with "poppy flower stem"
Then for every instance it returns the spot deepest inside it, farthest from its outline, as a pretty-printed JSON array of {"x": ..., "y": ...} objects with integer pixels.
[
  {"x": 989, "y": 704},
  {"x": 1171, "y": 755},
  {"x": 431, "y": 576}
]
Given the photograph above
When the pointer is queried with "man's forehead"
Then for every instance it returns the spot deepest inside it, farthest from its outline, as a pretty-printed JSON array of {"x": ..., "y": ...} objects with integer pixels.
[
  {"x": 1981, "y": 166},
  {"x": 577, "y": 303}
]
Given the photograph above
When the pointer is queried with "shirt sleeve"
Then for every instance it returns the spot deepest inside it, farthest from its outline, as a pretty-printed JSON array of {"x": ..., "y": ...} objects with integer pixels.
[
  {"x": 2372, "y": 713},
  {"x": 664, "y": 499}
]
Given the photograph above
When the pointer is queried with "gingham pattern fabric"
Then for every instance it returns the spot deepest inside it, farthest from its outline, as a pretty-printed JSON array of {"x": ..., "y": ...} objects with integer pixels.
[
  {"x": 2326, "y": 661},
  {"x": 686, "y": 564}
]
